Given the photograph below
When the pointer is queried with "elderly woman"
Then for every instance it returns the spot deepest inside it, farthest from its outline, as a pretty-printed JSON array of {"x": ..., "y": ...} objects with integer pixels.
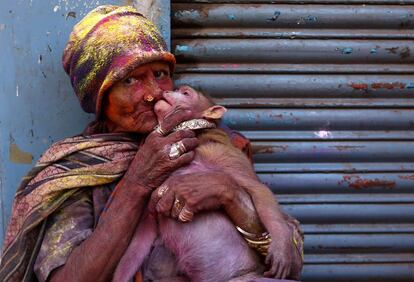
[{"x": 76, "y": 211}]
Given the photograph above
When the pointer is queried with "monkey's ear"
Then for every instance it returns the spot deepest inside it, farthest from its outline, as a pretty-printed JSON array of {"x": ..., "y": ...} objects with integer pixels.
[{"x": 214, "y": 112}]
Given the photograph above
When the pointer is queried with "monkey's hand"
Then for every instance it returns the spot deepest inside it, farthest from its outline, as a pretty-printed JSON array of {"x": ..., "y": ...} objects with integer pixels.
[{"x": 280, "y": 255}]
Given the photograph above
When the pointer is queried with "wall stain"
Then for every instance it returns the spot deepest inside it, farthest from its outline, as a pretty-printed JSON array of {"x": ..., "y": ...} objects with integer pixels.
[
  {"x": 392, "y": 50},
  {"x": 346, "y": 148},
  {"x": 405, "y": 53},
  {"x": 70, "y": 14},
  {"x": 345, "y": 51},
  {"x": 18, "y": 156},
  {"x": 388, "y": 85},
  {"x": 359, "y": 86},
  {"x": 410, "y": 85},
  {"x": 380, "y": 85},
  {"x": 407, "y": 177},
  {"x": 356, "y": 182},
  {"x": 274, "y": 17}
]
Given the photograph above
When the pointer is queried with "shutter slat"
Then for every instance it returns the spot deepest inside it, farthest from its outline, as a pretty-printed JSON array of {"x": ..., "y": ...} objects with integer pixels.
[{"x": 324, "y": 89}]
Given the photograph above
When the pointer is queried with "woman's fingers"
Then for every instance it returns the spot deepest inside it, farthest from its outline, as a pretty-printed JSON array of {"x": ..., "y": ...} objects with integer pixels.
[
  {"x": 280, "y": 269},
  {"x": 184, "y": 159},
  {"x": 156, "y": 195},
  {"x": 175, "y": 118},
  {"x": 179, "y": 135},
  {"x": 286, "y": 272},
  {"x": 273, "y": 266},
  {"x": 186, "y": 145},
  {"x": 165, "y": 203}
]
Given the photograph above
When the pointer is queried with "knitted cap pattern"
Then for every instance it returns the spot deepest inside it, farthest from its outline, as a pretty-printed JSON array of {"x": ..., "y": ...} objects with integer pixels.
[{"x": 106, "y": 45}]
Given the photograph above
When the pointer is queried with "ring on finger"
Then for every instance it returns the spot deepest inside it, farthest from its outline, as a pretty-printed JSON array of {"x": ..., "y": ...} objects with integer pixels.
[
  {"x": 162, "y": 190},
  {"x": 181, "y": 147},
  {"x": 174, "y": 151},
  {"x": 185, "y": 215},
  {"x": 159, "y": 130},
  {"x": 177, "y": 207}
]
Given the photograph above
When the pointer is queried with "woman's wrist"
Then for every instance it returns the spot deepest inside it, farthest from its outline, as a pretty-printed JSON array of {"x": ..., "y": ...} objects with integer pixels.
[
  {"x": 136, "y": 188},
  {"x": 239, "y": 207},
  {"x": 229, "y": 192}
]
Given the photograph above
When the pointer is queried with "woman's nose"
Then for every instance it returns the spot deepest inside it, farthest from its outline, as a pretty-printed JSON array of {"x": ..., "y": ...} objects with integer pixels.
[{"x": 154, "y": 91}]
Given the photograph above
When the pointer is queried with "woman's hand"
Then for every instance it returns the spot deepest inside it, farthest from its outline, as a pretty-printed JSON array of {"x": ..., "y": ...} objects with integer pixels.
[
  {"x": 195, "y": 192},
  {"x": 152, "y": 163},
  {"x": 279, "y": 258},
  {"x": 285, "y": 254}
]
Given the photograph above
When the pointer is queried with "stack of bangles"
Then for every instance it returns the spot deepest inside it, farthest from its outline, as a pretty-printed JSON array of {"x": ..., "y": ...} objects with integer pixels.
[{"x": 258, "y": 242}]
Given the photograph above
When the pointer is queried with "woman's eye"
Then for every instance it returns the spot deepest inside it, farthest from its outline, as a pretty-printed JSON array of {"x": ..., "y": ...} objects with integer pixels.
[
  {"x": 130, "y": 80},
  {"x": 161, "y": 74}
]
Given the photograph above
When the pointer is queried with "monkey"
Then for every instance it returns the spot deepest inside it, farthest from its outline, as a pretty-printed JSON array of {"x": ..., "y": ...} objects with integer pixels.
[{"x": 209, "y": 247}]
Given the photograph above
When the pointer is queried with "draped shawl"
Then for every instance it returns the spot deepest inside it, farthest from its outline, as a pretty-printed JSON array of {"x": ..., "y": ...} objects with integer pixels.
[{"x": 67, "y": 166}]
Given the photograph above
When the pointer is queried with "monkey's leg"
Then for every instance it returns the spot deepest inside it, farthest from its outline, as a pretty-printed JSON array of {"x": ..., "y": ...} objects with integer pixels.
[{"x": 139, "y": 247}]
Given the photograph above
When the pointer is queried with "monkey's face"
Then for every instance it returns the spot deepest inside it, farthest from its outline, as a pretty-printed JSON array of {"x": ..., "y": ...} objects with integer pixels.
[
  {"x": 187, "y": 98},
  {"x": 184, "y": 97}
]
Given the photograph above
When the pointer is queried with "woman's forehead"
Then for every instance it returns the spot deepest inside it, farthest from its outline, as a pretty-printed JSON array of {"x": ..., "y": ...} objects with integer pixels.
[{"x": 159, "y": 65}]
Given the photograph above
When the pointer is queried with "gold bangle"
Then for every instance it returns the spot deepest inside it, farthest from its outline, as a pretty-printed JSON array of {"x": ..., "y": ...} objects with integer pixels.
[
  {"x": 252, "y": 236},
  {"x": 260, "y": 242}
]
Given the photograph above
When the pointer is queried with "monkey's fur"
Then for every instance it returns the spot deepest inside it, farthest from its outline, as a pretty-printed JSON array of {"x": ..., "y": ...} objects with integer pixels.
[{"x": 209, "y": 248}]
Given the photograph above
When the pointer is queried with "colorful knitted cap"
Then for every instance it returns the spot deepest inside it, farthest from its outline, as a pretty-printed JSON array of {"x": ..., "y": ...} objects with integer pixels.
[{"x": 107, "y": 44}]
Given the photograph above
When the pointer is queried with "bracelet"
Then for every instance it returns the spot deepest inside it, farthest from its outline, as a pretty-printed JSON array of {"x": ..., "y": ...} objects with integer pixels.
[
  {"x": 260, "y": 242},
  {"x": 252, "y": 236}
]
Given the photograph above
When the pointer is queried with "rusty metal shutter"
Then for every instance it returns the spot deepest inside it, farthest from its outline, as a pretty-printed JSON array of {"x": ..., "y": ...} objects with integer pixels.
[{"x": 325, "y": 90}]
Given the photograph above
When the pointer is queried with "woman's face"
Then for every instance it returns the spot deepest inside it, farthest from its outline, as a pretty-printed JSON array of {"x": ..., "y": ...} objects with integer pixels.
[{"x": 125, "y": 108}]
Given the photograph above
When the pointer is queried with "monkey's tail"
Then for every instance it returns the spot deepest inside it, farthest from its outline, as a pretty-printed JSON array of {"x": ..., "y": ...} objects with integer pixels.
[{"x": 138, "y": 249}]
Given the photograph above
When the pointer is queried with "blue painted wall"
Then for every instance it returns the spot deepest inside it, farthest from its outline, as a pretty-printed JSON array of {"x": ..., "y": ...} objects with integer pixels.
[{"x": 37, "y": 104}]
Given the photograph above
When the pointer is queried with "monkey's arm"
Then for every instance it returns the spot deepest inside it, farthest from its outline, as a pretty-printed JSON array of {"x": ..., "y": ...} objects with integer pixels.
[
  {"x": 283, "y": 256},
  {"x": 242, "y": 212},
  {"x": 264, "y": 202}
]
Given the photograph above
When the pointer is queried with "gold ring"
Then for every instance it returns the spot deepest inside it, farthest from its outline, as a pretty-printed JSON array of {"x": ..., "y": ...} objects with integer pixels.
[
  {"x": 177, "y": 207},
  {"x": 159, "y": 130},
  {"x": 162, "y": 190},
  {"x": 185, "y": 215}
]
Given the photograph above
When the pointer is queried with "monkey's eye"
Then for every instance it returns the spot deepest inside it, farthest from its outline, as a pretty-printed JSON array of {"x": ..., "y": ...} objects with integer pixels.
[{"x": 186, "y": 93}]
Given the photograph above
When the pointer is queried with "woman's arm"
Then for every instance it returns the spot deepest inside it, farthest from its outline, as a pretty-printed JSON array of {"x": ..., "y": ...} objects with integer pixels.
[
  {"x": 239, "y": 207},
  {"x": 96, "y": 258},
  {"x": 207, "y": 191}
]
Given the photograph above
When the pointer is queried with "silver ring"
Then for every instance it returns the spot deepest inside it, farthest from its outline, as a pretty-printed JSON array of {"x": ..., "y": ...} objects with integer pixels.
[
  {"x": 181, "y": 147},
  {"x": 174, "y": 151},
  {"x": 162, "y": 190},
  {"x": 159, "y": 130}
]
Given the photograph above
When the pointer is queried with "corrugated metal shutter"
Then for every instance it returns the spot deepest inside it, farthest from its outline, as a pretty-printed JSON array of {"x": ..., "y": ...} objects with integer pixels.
[{"x": 325, "y": 90}]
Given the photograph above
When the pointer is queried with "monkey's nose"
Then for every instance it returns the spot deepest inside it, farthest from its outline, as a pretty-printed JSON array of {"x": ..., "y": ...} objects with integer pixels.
[{"x": 165, "y": 94}]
